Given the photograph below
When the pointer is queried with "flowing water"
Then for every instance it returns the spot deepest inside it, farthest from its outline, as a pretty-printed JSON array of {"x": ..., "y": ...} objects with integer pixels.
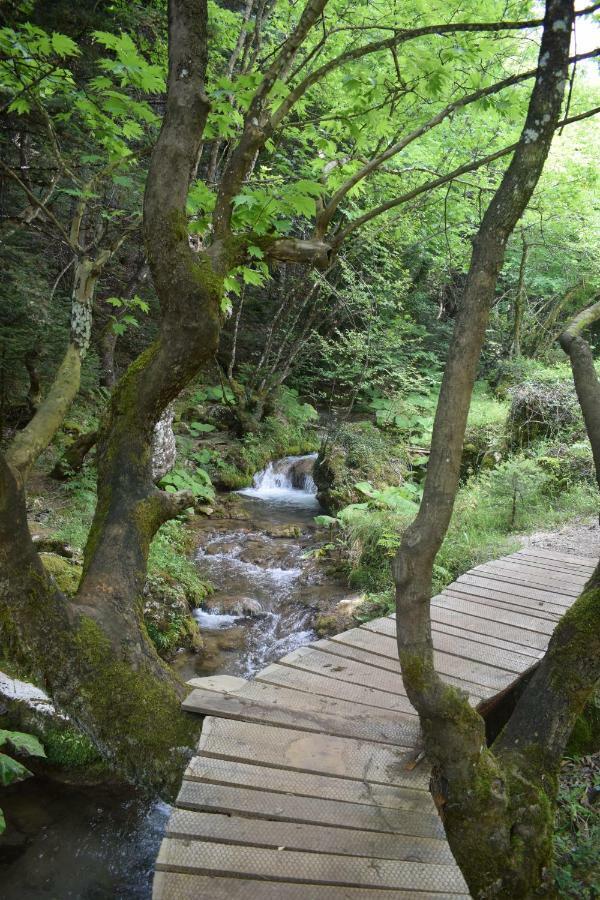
[
  {"x": 97, "y": 843},
  {"x": 267, "y": 589}
]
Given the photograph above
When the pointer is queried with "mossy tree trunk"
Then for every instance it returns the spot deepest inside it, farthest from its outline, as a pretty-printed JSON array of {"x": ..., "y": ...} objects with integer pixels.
[
  {"x": 102, "y": 667},
  {"x": 50, "y": 411},
  {"x": 498, "y": 801}
]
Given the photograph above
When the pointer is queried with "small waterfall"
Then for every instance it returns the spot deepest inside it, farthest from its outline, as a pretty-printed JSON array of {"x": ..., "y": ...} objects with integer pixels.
[{"x": 288, "y": 480}]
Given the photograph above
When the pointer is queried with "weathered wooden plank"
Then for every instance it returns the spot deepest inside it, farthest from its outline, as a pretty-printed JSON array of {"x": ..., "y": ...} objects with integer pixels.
[
  {"x": 300, "y": 751},
  {"x": 489, "y": 631},
  {"x": 565, "y": 586},
  {"x": 321, "y": 685},
  {"x": 313, "y": 868},
  {"x": 553, "y": 565},
  {"x": 463, "y": 647},
  {"x": 391, "y": 664},
  {"x": 228, "y": 684},
  {"x": 307, "y": 784},
  {"x": 232, "y": 799},
  {"x": 486, "y": 676},
  {"x": 307, "y": 713},
  {"x": 310, "y": 838},
  {"x": 480, "y": 595},
  {"x": 554, "y": 555},
  {"x": 490, "y": 642},
  {"x": 177, "y": 886},
  {"x": 529, "y": 627},
  {"x": 314, "y": 660},
  {"x": 516, "y": 591}
]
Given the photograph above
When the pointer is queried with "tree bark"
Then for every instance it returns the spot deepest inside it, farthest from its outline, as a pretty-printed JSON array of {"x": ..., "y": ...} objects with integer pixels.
[
  {"x": 519, "y": 304},
  {"x": 103, "y": 669},
  {"x": 51, "y": 411},
  {"x": 480, "y": 810}
]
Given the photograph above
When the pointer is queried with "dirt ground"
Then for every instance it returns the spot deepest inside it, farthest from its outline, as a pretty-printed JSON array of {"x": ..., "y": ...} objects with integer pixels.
[{"x": 581, "y": 538}]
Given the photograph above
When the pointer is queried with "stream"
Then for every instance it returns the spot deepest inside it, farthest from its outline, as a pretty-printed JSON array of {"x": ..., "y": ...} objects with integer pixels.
[{"x": 96, "y": 843}]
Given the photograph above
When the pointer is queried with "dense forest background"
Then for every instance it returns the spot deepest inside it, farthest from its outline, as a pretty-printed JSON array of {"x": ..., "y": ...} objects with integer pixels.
[{"x": 393, "y": 159}]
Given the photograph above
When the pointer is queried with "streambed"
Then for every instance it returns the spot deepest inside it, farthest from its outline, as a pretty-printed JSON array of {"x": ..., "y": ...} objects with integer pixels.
[{"x": 95, "y": 843}]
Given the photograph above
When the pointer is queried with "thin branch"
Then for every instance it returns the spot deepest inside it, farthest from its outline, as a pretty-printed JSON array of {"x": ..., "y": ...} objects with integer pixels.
[
  {"x": 40, "y": 205},
  {"x": 438, "y": 182}
]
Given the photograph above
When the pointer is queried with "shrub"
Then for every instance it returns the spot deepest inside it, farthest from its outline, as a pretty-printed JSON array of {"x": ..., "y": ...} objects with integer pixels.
[{"x": 543, "y": 409}]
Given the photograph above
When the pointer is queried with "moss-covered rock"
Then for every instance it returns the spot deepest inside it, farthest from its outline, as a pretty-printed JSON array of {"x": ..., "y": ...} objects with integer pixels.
[
  {"x": 65, "y": 572},
  {"x": 543, "y": 409},
  {"x": 356, "y": 452}
]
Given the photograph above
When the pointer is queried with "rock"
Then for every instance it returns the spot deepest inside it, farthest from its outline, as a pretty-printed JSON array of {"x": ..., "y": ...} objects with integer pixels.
[
  {"x": 357, "y": 452},
  {"x": 236, "y": 606},
  {"x": 326, "y": 625},
  {"x": 164, "y": 450},
  {"x": 301, "y": 474},
  {"x": 283, "y": 531},
  {"x": 203, "y": 509},
  {"x": 349, "y": 605}
]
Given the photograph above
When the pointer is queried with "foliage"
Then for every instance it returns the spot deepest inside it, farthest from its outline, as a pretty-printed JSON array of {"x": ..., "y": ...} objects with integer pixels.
[
  {"x": 197, "y": 481},
  {"x": 577, "y": 832},
  {"x": 11, "y": 770}
]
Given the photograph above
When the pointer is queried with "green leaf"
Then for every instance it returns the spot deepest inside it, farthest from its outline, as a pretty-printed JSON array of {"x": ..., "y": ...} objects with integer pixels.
[
  {"x": 21, "y": 742},
  {"x": 11, "y": 771},
  {"x": 2, "y": 823},
  {"x": 326, "y": 520},
  {"x": 63, "y": 45}
]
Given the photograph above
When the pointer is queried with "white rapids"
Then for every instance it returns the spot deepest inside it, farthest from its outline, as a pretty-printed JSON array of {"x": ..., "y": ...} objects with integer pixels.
[{"x": 288, "y": 480}]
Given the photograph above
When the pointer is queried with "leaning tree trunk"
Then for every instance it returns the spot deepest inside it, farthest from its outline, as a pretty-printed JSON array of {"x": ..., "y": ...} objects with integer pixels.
[
  {"x": 50, "y": 412},
  {"x": 484, "y": 799},
  {"x": 94, "y": 654}
]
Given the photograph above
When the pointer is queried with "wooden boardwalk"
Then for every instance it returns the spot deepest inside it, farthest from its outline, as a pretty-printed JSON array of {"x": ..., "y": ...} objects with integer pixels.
[{"x": 307, "y": 783}]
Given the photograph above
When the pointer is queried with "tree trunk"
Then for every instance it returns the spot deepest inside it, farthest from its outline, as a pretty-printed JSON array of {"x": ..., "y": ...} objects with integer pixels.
[
  {"x": 51, "y": 411},
  {"x": 486, "y": 798},
  {"x": 519, "y": 304},
  {"x": 109, "y": 680}
]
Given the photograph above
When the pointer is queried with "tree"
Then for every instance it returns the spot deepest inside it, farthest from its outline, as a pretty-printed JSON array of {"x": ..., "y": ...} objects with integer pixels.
[
  {"x": 103, "y": 669},
  {"x": 498, "y": 801}
]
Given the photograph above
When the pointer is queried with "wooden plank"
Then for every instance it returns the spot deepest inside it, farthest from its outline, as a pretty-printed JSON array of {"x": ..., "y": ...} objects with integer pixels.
[
  {"x": 391, "y": 664},
  {"x": 554, "y": 555},
  {"x": 314, "y": 660},
  {"x": 176, "y": 886},
  {"x": 486, "y": 676},
  {"x": 529, "y": 627},
  {"x": 219, "y": 683},
  {"x": 208, "y": 858},
  {"x": 310, "y": 838},
  {"x": 231, "y": 799},
  {"x": 515, "y": 591},
  {"x": 307, "y": 713},
  {"x": 490, "y": 642},
  {"x": 347, "y": 691},
  {"x": 478, "y": 595},
  {"x": 306, "y": 784},
  {"x": 565, "y": 585},
  {"x": 552, "y": 565},
  {"x": 462, "y": 647},
  {"x": 489, "y": 631},
  {"x": 287, "y": 748}
]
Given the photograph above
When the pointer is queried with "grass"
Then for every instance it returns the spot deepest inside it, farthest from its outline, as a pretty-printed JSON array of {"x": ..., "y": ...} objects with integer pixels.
[{"x": 577, "y": 830}]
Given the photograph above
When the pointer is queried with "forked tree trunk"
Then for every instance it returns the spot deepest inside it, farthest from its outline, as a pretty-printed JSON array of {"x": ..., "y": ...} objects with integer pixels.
[
  {"x": 498, "y": 802},
  {"x": 94, "y": 654}
]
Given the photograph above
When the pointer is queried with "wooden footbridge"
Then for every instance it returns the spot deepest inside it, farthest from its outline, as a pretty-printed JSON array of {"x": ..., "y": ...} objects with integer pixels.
[{"x": 308, "y": 782}]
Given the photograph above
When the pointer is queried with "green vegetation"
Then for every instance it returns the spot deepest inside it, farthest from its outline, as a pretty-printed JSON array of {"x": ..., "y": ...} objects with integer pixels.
[
  {"x": 11, "y": 770},
  {"x": 272, "y": 248},
  {"x": 577, "y": 834}
]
